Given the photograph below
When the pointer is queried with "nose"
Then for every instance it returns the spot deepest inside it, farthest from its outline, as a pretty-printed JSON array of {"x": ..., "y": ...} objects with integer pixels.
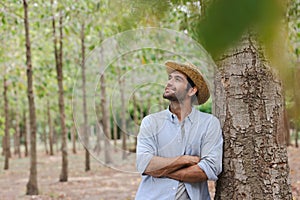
[{"x": 170, "y": 82}]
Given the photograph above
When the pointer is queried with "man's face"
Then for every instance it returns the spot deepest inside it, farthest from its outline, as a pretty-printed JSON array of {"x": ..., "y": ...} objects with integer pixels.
[{"x": 177, "y": 87}]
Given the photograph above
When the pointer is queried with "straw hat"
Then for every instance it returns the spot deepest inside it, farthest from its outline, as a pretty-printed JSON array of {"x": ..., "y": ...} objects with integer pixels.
[{"x": 194, "y": 74}]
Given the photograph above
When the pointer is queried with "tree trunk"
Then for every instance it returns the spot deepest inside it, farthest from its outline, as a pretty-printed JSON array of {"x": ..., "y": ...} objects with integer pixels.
[
  {"x": 26, "y": 132},
  {"x": 6, "y": 144},
  {"x": 97, "y": 148},
  {"x": 286, "y": 125},
  {"x": 141, "y": 109},
  {"x": 50, "y": 135},
  {"x": 297, "y": 136},
  {"x": 73, "y": 135},
  {"x": 115, "y": 133},
  {"x": 58, "y": 53},
  {"x": 249, "y": 104},
  {"x": 296, "y": 112},
  {"x": 32, "y": 185},
  {"x": 105, "y": 116},
  {"x": 123, "y": 116},
  {"x": 55, "y": 140},
  {"x": 17, "y": 135},
  {"x": 64, "y": 148},
  {"x": 3, "y": 146},
  {"x": 135, "y": 118},
  {"x": 85, "y": 117},
  {"x": 45, "y": 139},
  {"x": 105, "y": 121}
]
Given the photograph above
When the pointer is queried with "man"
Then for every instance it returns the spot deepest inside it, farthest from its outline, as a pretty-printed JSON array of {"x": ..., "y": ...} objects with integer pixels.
[{"x": 180, "y": 148}]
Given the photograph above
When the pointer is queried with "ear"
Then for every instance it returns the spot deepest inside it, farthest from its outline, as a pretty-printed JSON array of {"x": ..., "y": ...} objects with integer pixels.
[{"x": 192, "y": 91}]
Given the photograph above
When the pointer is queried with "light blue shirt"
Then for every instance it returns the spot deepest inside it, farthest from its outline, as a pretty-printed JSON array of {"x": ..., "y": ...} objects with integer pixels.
[{"x": 160, "y": 135}]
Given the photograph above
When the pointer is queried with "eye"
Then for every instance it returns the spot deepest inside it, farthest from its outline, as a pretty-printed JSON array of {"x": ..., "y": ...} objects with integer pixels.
[{"x": 178, "y": 78}]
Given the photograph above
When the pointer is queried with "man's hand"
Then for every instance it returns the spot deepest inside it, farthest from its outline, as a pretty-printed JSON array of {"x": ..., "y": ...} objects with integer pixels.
[
  {"x": 191, "y": 160},
  {"x": 191, "y": 174}
]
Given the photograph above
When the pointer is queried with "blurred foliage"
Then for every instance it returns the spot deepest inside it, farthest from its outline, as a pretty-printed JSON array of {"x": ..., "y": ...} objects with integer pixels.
[
  {"x": 293, "y": 72},
  {"x": 225, "y": 21},
  {"x": 216, "y": 24},
  {"x": 206, "y": 107}
]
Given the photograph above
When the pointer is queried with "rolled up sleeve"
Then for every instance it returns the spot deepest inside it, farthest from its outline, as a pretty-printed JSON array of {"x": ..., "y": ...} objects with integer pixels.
[
  {"x": 212, "y": 150},
  {"x": 145, "y": 145}
]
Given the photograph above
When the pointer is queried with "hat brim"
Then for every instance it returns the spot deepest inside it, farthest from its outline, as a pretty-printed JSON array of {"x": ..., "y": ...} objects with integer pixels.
[{"x": 195, "y": 75}]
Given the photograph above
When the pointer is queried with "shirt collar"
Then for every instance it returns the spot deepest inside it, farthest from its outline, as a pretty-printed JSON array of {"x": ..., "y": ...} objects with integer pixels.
[{"x": 173, "y": 118}]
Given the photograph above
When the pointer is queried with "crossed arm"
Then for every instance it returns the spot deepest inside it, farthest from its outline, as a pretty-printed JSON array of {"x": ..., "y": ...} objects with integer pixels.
[{"x": 183, "y": 168}]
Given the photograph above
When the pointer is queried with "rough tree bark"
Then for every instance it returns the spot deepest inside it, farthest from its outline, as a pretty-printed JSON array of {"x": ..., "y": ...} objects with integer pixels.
[
  {"x": 32, "y": 185},
  {"x": 249, "y": 103}
]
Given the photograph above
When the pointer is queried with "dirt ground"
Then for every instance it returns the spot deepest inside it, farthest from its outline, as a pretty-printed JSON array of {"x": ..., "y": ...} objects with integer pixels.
[{"x": 99, "y": 183}]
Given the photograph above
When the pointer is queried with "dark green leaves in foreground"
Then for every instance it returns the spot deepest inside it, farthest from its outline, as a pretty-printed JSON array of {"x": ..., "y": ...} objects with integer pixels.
[{"x": 226, "y": 20}]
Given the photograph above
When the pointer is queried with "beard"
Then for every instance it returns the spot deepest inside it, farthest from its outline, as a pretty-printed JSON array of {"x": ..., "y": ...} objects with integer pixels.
[{"x": 172, "y": 95}]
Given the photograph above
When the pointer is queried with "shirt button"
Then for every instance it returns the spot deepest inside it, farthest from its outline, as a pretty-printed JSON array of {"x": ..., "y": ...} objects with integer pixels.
[{"x": 174, "y": 188}]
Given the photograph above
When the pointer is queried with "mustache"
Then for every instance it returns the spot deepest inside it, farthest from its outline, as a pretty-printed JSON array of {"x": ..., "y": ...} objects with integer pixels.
[{"x": 170, "y": 88}]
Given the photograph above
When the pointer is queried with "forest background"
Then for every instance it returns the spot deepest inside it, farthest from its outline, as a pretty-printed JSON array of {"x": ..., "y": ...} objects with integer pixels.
[{"x": 47, "y": 129}]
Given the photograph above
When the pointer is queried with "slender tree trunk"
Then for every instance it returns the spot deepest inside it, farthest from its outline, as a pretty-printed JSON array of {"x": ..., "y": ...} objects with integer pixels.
[
  {"x": 297, "y": 136},
  {"x": 141, "y": 109},
  {"x": 6, "y": 136},
  {"x": 56, "y": 140},
  {"x": 3, "y": 146},
  {"x": 105, "y": 121},
  {"x": 148, "y": 106},
  {"x": 135, "y": 118},
  {"x": 50, "y": 135},
  {"x": 97, "y": 148},
  {"x": 32, "y": 185},
  {"x": 105, "y": 116},
  {"x": 115, "y": 132},
  {"x": 85, "y": 117},
  {"x": 297, "y": 103},
  {"x": 73, "y": 135},
  {"x": 249, "y": 103},
  {"x": 17, "y": 135},
  {"x": 59, "y": 65},
  {"x": 26, "y": 132},
  {"x": 64, "y": 170},
  {"x": 286, "y": 125},
  {"x": 45, "y": 139},
  {"x": 123, "y": 116}
]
